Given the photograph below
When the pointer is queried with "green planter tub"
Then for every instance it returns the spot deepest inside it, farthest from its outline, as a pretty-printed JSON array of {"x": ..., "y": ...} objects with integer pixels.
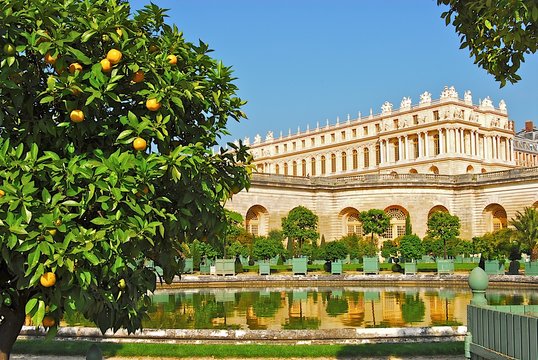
[
  {"x": 225, "y": 267},
  {"x": 494, "y": 267},
  {"x": 531, "y": 268},
  {"x": 410, "y": 268},
  {"x": 336, "y": 267},
  {"x": 299, "y": 266},
  {"x": 445, "y": 266},
  {"x": 188, "y": 267},
  {"x": 370, "y": 265},
  {"x": 264, "y": 268}
]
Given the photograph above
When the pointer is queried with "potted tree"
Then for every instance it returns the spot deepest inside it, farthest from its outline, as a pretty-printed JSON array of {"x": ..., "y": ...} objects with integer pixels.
[
  {"x": 410, "y": 250},
  {"x": 334, "y": 252},
  {"x": 300, "y": 226},
  {"x": 265, "y": 249},
  {"x": 374, "y": 222},
  {"x": 443, "y": 227},
  {"x": 526, "y": 225}
]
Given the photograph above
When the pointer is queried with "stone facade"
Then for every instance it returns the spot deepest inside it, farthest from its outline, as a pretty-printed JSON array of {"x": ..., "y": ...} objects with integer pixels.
[{"x": 443, "y": 155}]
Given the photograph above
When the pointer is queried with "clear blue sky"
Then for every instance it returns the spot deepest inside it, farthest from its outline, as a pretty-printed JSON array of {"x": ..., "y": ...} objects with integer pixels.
[{"x": 303, "y": 61}]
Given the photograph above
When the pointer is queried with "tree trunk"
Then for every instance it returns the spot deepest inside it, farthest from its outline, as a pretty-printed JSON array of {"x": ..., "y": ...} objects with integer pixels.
[{"x": 11, "y": 321}]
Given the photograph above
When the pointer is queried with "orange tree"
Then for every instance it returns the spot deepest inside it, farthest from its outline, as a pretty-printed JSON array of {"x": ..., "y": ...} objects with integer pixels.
[{"x": 105, "y": 159}]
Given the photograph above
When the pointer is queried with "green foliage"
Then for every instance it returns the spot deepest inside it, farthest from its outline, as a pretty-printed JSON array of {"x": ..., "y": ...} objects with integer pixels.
[
  {"x": 432, "y": 246},
  {"x": 498, "y": 33},
  {"x": 334, "y": 250},
  {"x": 411, "y": 247},
  {"x": 443, "y": 227},
  {"x": 352, "y": 244},
  {"x": 300, "y": 226},
  {"x": 389, "y": 249},
  {"x": 496, "y": 245},
  {"x": 266, "y": 248},
  {"x": 526, "y": 225},
  {"x": 366, "y": 248},
  {"x": 374, "y": 221},
  {"x": 79, "y": 201},
  {"x": 408, "y": 227},
  {"x": 413, "y": 309},
  {"x": 236, "y": 249},
  {"x": 336, "y": 305},
  {"x": 465, "y": 248}
]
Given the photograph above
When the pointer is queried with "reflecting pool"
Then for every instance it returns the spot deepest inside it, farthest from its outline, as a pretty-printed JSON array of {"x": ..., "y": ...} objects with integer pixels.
[{"x": 318, "y": 307}]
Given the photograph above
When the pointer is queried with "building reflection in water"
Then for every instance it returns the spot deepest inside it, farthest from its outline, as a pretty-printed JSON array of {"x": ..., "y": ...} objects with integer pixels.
[{"x": 316, "y": 308}]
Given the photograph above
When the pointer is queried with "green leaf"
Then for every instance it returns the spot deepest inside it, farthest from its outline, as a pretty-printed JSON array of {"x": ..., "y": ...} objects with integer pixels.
[
  {"x": 46, "y": 99},
  {"x": 30, "y": 305},
  {"x": 91, "y": 257}
]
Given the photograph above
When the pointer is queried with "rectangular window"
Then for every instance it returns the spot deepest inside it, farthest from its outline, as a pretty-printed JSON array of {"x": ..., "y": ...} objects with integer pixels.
[
  {"x": 377, "y": 128},
  {"x": 400, "y": 229},
  {"x": 343, "y": 135},
  {"x": 294, "y": 145},
  {"x": 354, "y": 133},
  {"x": 415, "y": 119},
  {"x": 365, "y": 130},
  {"x": 285, "y": 147},
  {"x": 333, "y": 137},
  {"x": 276, "y": 149},
  {"x": 388, "y": 233},
  {"x": 322, "y": 138},
  {"x": 435, "y": 115},
  {"x": 303, "y": 144},
  {"x": 312, "y": 141},
  {"x": 395, "y": 123}
]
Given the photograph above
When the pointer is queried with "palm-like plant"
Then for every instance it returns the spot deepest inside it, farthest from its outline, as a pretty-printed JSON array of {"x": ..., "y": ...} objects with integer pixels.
[{"x": 526, "y": 224}]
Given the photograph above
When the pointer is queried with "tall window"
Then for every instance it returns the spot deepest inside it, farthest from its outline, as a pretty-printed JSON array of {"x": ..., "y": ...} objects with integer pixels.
[
  {"x": 323, "y": 169},
  {"x": 396, "y": 151},
  {"x": 277, "y": 169},
  {"x": 415, "y": 147},
  {"x": 295, "y": 168},
  {"x": 333, "y": 163},
  {"x": 377, "y": 154},
  {"x": 285, "y": 168},
  {"x": 355, "y": 160},
  {"x": 344, "y": 161},
  {"x": 313, "y": 166},
  {"x": 397, "y": 223},
  {"x": 415, "y": 119},
  {"x": 354, "y": 225},
  {"x": 253, "y": 223},
  {"x": 343, "y": 135},
  {"x": 436, "y": 115},
  {"x": 303, "y": 167},
  {"x": 366, "y": 157},
  {"x": 436, "y": 144}
]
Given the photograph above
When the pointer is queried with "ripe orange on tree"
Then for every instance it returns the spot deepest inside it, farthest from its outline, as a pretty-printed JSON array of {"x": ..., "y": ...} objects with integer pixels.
[
  {"x": 48, "y": 279},
  {"x": 172, "y": 59},
  {"x": 48, "y": 321},
  {"x": 106, "y": 66},
  {"x": 49, "y": 59},
  {"x": 153, "y": 104},
  {"x": 75, "y": 67},
  {"x": 2, "y": 193},
  {"x": 139, "y": 144},
  {"x": 119, "y": 31},
  {"x": 76, "y": 116},
  {"x": 114, "y": 56},
  {"x": 138, "y": 76}
]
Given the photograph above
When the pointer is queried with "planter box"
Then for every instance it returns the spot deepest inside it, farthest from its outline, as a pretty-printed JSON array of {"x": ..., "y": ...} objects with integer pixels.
[
  {"x": 531, "y": 268},
  {"x": 188, "y": 266},
  {"x": 410, "y": 268},
  {"x": 445, "y": 266},
  {"x": 264, "y": 268},
  {"x": 336, "y": 268},
  {"x": 299, "y": 266},
  {"x": 494, "y": 267},
  {"x": 426, "y": 259},
  {"x": 370, "y": 265},
  {"x": 225, "y": 267}
]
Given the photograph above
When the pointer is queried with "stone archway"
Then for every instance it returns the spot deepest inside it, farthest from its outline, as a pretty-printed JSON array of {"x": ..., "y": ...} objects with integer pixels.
[
  {"x": 470, "y": 169},
  {"x": 257, "y": 220},
  {"x": 495, "y": 217},
  {"x": 397, "y": 215},
  {"x": 437, "y": 208},
  {"x": 434, "y": 170},
  {"x": 350, "y": 220}
]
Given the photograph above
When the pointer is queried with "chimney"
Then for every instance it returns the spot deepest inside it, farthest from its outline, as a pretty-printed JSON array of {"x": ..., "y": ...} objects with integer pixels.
[{"x": 529, "y": 126}]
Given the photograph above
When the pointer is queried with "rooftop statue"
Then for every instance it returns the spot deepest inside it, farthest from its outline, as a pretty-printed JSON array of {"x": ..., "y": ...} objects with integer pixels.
[
  {"x": 405, "y": 104},
  {"x": 257, "y": 139},
  {"x": 502, "y": 105},
  {"x": 425, "y": 98},
  {"x": 269, "y": 136},
  {"x": 449, "y": 93},
  {"x": 487, "y": 103},
  {"x": 467, "y": 97},
  {"x": 386, "y": 108}
]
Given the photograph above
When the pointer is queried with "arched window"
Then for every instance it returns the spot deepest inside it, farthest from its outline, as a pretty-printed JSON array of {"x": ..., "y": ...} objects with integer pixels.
[
  {"x": 397, "y": 223},
  {"x": 366, "y": 157},
  {"x": 294, "y": 165},
  {"x": 333, "y": 163},
  {"x": 495, "y": 217},
  {"x": 415, "y": 148},
  {"x": 355, "y": 160},
  {"x": 499, "y": 219},
  {"x": 303, "y": 167},
  {"x": 277, "y": 169},
  {"x": 313, "y": 166},
  {"x": 256, "y": 220},
  {"x": 344, "y": 161},
  {"x": 323, "y": 169},
  {"x": 396, "y": 151},
  {"x": 253, "y": 223},
  {"x": 434, "y": 170},
  {"x": 378, "y": 155},
  {"x": 285, "y": 168},
  {"x": 353, "y": 224},
  {"x": 470, "y": 169}
]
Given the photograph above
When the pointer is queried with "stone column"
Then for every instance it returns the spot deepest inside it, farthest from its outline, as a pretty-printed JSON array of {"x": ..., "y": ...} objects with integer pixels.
[
  {"x": 382, "y": 150},
  {"x": 419, "y": 144},
  {"x": 510, "y": 150},
  {"x": 450, "y": 141},
  {"x": 407, "y": 147},
  {"x": 441, "y": 142},
  {"x": 426, "y": 144},
  {"x": 462, "y": 141},
  {"x": 400, "y": 149}
]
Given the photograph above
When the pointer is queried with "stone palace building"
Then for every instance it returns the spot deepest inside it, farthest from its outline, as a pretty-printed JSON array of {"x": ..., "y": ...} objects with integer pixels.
[{"x": 440, "y": 155}]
